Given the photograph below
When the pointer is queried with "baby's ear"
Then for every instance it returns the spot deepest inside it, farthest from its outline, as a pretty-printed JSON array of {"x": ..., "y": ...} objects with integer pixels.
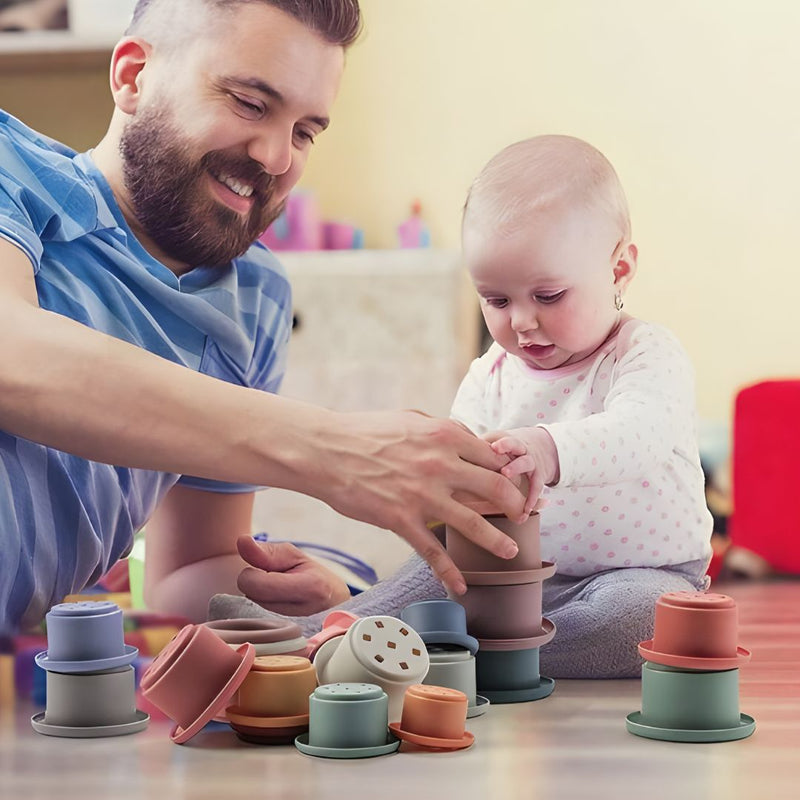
[{"x": 625, "y": 265}]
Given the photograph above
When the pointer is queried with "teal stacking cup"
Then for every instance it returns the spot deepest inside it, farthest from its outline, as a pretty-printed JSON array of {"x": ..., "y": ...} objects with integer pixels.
[
  {"x": 684, "y": 700},
  {"x": 348, "y": 715},
  {"x": 507, "y": 670}
]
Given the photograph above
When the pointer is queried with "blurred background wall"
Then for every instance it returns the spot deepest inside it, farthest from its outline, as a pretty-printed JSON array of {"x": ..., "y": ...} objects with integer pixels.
[{"x": 694, "y": 102}]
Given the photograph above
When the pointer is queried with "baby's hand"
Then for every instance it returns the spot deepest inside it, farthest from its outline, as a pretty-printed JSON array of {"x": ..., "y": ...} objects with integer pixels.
[{"x": 531, "y": 452}]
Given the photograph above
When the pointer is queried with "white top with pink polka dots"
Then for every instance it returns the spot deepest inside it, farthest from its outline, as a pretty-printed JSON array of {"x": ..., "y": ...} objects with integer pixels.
[{"x": 631, "y": 491}]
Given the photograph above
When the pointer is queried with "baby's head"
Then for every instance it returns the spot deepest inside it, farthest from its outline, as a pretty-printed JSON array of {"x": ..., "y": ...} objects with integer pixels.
[{"x": 546, "y": 239}]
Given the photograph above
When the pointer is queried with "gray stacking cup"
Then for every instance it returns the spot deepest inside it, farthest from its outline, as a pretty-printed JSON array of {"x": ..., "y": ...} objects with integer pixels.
[
  {"x": 85, "y": 631},
  {"x": 348, "y": 715},
  {"x": 91, "y": 699},
  {"x": 454, "y": 669}
]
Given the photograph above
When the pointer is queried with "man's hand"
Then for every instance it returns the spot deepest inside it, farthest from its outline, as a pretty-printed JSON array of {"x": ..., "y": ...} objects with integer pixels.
[
  {"x": 532, "y": 452},
  {"x": 404, "y": 470},
  {"x": 284, "y": 579}
]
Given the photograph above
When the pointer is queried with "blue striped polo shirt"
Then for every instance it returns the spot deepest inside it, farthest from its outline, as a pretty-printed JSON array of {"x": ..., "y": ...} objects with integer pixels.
[{"x": 65, "y": 520}]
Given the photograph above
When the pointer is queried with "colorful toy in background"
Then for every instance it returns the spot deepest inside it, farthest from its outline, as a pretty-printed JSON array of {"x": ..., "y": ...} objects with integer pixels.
[
  {"x": 301, "y": 227},
  {"x": 413, "y": 232},
  {"x": 690, "y": 678}
]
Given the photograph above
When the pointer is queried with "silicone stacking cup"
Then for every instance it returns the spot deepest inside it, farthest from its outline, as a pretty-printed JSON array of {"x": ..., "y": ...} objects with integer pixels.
[
  {"x": 695, "y": 630},
  {"x": 335, "y": 624},
  {"x": 511, "y": 676},
  {"x": 440, "y": 622},
  {"x": 194, "y": 678},
  {"x": 434, "y": 716},
  {"x": 379, "y": 650},
  {"x": 454, "y": 669},
  {"x": 469, "y": 557},
  {"x": 348, "y": 720},
  {"x": 91, "y": 698},
  {"x": 85, "y": 636},
  {"x": 689, "y": 700},
  {"x": 512, "y": 611},
  {"x": 348, "y": 715},
  {"x": 277, "y": 686},
  {"x": 679, "y": 705},
  {"x": 268, "y": 637},
  {"x": 90, "y": 704},
  {"x": 272, "y": 702}
]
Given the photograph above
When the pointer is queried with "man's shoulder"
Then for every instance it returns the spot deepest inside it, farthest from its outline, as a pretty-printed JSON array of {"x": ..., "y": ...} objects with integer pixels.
[{"x": 31, "y": 143}]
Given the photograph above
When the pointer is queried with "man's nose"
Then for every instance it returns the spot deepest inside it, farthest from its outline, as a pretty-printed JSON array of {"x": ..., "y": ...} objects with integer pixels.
[{"x": 273, "y": 150}]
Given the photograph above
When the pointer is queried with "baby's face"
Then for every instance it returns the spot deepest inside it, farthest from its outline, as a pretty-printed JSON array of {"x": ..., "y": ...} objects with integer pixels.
[{"x": 547, "y": 291}]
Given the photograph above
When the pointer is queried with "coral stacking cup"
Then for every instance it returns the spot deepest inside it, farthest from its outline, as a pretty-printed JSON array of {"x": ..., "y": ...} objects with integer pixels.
[
  {"x": 194, "y": 678},
  {"x": 433, "y": 716},
  {"x": 695, "y": 630}
]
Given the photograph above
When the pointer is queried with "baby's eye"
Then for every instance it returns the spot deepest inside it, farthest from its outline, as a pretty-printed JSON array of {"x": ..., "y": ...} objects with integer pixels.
[
  {"x": 304, "y": 136},
  {"x": 546, "y": 299},
  {"x": 496, "y": 302}
]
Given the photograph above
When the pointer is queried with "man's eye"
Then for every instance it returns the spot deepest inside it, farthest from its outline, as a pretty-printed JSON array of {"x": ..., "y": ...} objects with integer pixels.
[
  {"x": 546, "y": 299},
  {"x": 251, "y": 109}
]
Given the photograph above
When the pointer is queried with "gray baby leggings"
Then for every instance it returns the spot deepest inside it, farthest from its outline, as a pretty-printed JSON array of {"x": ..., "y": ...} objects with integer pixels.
[{"x": 599, "y": 620}]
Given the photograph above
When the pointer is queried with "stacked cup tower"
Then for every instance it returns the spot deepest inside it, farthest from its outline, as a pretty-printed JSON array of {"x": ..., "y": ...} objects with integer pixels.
[
  {"x": 503, "y": 605},
  {"x": 91, "y": 688},
  {"x": 690, "y": 678}
]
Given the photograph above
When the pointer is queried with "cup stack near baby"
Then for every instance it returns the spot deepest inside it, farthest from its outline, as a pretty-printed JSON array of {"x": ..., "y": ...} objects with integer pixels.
[
  {"x": 503, "y": 605},
  {"x": 690, "y": 678}
]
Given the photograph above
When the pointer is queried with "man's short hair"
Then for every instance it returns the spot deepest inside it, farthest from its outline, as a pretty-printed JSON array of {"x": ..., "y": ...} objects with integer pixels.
[{"x": 336, "y": 21}]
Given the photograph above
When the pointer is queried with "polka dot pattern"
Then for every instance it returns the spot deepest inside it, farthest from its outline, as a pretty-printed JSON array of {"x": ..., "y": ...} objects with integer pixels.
[{"x": 631, "y": 489}]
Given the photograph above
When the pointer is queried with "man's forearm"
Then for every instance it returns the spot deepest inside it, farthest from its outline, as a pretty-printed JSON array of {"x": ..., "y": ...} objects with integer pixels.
[{"x": 87, "y": 393}]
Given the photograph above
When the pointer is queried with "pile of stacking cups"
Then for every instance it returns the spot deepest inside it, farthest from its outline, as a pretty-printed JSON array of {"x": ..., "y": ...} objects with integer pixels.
[
  {"x": 271, "y": 705},
  {"x": 442, "y": 625},
  {"x": 91, "y": 687},
  {"x": 690, "y": 678},
  {"x": 503, "y": 605},
  {"x": 370, "y": 670},
  {"x": 378, "y": 650}
]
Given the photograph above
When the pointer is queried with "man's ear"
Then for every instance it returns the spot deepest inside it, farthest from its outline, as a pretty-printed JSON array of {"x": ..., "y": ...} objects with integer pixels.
[
  {"x": 625, "y": 266},
  {"x": 127, "y": 66}
]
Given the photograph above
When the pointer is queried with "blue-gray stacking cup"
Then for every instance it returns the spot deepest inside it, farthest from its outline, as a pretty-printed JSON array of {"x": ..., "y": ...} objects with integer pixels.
[
  {"x": 440, "y": 622},
  {"x": 85, "y": 631},
  {"x": 511, "y": 676},
  {"x": 348, "y": 715},
  {"x": 673, "y": 698},
  {"x": 507, "y": 670}
]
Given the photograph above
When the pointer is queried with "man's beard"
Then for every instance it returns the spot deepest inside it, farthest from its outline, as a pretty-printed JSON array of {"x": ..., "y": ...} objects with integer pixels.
[{"x": 167, "y": 187}]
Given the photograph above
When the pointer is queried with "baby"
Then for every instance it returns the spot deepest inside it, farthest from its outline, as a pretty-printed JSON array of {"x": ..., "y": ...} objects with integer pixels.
[{"x": 593, "y": 405}]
